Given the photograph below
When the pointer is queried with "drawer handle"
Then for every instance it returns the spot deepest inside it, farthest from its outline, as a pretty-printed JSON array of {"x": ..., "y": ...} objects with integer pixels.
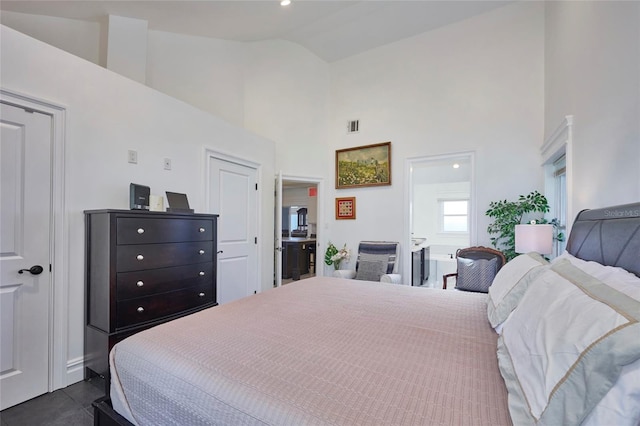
[
  {"x": 201, "y": 251},
  {"x": 201, "y": 273},
  {"x": 140, "y": 257},
  {"x": 201, "y": 294},
  {"x": 140, "y": 309},
  {"x": 139, "y": 283},
  {"x": 140, "y": 231},
  {"x": 201, "y": 230}
]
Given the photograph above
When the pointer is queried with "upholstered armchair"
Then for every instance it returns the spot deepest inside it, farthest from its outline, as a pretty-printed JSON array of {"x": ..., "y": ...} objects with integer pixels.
[
  {"x": 477, "y": 267},
  {"x": 377, "y": 261}
]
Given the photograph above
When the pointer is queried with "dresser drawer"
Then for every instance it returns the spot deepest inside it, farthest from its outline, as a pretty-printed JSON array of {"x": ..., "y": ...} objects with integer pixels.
[
  {"x": 135, "y": 311},
  {"x": 132, "y": 230},
  {"x": 149, "y": 256},
  {"x": 130, "y": 285}
]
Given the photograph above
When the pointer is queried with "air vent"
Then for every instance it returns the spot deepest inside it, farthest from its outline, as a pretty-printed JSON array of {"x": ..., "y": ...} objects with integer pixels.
[{"x": 353, "y": 126}]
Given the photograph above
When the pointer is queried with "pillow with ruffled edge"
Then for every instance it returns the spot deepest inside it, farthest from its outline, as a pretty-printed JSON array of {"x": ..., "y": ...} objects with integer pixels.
[
  {"x": 510, "y": 284},
  {"x": 565, "y": 345}
]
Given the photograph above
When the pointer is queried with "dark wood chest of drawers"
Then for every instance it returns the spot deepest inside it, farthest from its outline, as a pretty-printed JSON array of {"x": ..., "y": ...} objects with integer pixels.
[{"x": 143, "y": 269}]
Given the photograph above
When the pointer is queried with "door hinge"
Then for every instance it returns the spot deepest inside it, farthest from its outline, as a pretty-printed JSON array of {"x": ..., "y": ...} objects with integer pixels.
[
  {"x": 50, "y": 268},
  {"x": 255, "y": 240},
  {"x": 256, "y": 186}
]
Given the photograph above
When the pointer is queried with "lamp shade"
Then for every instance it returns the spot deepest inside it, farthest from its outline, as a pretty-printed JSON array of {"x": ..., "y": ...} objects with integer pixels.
[{"x": 537, "y": 238}]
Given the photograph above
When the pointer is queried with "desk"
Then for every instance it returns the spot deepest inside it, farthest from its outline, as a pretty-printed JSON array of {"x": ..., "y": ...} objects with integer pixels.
[{"x": 296, "y": 253}]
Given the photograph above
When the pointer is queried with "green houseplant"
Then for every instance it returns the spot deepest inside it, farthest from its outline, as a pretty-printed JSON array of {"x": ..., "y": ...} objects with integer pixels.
[{"x": 507, "y": 214}]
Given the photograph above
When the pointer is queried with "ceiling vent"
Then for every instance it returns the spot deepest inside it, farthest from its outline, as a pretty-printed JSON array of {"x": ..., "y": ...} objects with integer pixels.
[{"x": 353, "y": 126}]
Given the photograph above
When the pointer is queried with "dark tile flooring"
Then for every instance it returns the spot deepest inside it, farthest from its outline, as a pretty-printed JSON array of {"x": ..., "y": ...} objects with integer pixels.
[{"x": 70, "y": 406}]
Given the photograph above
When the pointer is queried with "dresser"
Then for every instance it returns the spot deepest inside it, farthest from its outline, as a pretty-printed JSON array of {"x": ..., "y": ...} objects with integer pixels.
[{"x": 142, "y": 269}]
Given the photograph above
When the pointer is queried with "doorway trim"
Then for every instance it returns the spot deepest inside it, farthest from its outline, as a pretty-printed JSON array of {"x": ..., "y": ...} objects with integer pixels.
[
  {"x": 61, "y": 371},
  {"x": 319, "y": 182},
  {"x": 408, "y": 218}
]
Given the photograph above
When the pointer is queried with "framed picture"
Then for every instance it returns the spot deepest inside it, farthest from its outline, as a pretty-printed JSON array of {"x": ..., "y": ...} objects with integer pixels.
[
  {"x": 368, "y": 165},
  {"x": 346, "y": 208}
]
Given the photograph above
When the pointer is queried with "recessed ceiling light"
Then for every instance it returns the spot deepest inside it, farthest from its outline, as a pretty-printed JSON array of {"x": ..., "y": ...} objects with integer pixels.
[
  {"x": 456, "y": 166},
  {"x": 285, "y": 2}
]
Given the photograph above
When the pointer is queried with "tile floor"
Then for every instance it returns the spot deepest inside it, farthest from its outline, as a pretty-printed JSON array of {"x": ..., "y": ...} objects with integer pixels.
[{"x": 70, "y": 406}]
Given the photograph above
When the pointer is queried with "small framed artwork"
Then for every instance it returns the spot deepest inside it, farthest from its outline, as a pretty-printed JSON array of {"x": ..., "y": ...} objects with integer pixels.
[
  {"x": 346, "y": 208},
  {"x": 368, "y": 165}
]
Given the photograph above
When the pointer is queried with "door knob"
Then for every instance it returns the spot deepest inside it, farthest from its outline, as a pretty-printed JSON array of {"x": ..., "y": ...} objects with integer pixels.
[{"x": 34, "y": 270}]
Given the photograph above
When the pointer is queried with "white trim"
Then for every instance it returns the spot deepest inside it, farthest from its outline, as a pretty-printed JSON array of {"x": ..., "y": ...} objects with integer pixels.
[
  {"x": 58, "y": 303},
  {"x": 408, "y": 219},
  {"x": 561, "y": 142},
  {"x": 561, "y": 136}
]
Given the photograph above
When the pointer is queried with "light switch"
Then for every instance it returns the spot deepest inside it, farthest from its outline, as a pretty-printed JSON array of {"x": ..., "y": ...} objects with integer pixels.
[
  {"x": 133, "y": 156},
  {"x": 167, "y": 163}
]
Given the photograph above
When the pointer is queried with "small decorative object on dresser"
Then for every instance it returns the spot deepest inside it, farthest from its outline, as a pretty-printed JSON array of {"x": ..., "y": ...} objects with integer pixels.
[
  {"x": 138, "y": 197},
  {"x": 143, "y": 269}
]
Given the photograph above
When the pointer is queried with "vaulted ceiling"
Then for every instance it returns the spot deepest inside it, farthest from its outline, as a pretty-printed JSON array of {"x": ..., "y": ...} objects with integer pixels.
[{"x": 333, "y": 30}]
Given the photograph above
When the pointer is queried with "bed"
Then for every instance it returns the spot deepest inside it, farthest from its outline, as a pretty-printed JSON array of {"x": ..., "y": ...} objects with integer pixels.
[{"x": 345, "y": 352}]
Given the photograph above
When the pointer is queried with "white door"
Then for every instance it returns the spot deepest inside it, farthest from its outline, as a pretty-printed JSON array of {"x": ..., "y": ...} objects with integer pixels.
[
  {"x": 234, "y": 197},
  {"x": 25, "y": 212},
  {"x": 278, "y": 231}
]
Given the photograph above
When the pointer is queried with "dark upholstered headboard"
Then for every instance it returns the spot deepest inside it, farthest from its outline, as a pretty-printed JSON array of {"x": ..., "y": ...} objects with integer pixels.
[{"x": 610, "y": 236}]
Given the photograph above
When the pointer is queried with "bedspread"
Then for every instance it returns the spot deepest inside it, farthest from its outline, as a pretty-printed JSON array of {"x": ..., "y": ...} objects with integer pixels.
[{"x": 318, "y": 351}]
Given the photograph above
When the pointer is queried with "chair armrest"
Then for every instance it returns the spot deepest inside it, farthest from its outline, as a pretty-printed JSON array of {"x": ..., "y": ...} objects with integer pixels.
[
  {"x": 344, "y": 273},
  {"x": 444, "y": 279},
  {"x": 391, "y": 278}
]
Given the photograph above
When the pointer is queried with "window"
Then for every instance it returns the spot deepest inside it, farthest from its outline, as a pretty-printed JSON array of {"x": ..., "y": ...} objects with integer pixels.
[
  {"x": 559, "y": 207},
  {"x": 454, "y": 216}
]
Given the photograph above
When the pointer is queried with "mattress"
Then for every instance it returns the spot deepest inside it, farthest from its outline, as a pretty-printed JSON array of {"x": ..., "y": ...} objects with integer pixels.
[{"x": 315, "y": 352}]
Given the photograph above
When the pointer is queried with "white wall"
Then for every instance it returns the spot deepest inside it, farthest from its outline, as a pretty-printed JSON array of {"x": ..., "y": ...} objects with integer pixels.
[
  {"x": 204, "y": 72},
  {"x": 476, "y": 85},
  {"x": 107, "y": 115},
  {"x": 81, "y": 38},
  {"x": 592, "y": 72},
  {"x": 286, "y": 100}
]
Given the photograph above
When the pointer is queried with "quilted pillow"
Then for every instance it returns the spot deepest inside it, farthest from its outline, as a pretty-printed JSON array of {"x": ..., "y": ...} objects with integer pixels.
[
  {"x": 476, "y": 274},
  {"x": 565, "y": 345},
  {"x": 371, "y": 270}
]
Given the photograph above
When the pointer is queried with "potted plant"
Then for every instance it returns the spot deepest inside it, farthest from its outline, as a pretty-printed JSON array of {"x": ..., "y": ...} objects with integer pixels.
[
  {"x": 334, "y": 257},
  {"x": 508, "y": 214}
]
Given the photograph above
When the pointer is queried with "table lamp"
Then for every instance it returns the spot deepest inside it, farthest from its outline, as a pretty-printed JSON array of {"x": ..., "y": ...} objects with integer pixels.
[{"x": 533, "y": 237}]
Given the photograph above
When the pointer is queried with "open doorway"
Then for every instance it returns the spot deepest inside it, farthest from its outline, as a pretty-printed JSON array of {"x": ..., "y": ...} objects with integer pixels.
[
  {"x": 299, "y": 222},
  {"x": 441, "y": 213}
]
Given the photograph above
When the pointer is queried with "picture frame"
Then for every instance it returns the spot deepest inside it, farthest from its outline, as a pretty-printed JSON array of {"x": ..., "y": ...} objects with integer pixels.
[
  {"x": 362, "y": 166},
  {"x": 345, "y": 208}
]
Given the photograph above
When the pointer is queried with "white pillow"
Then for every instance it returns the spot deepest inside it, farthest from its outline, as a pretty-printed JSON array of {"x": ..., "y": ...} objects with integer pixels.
[
  {"x": 565, "y": 345},
  {"x": 613, "y": 276},
  {"x": 510, "y": 284},
  {"x": 620, "y": 405}
]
